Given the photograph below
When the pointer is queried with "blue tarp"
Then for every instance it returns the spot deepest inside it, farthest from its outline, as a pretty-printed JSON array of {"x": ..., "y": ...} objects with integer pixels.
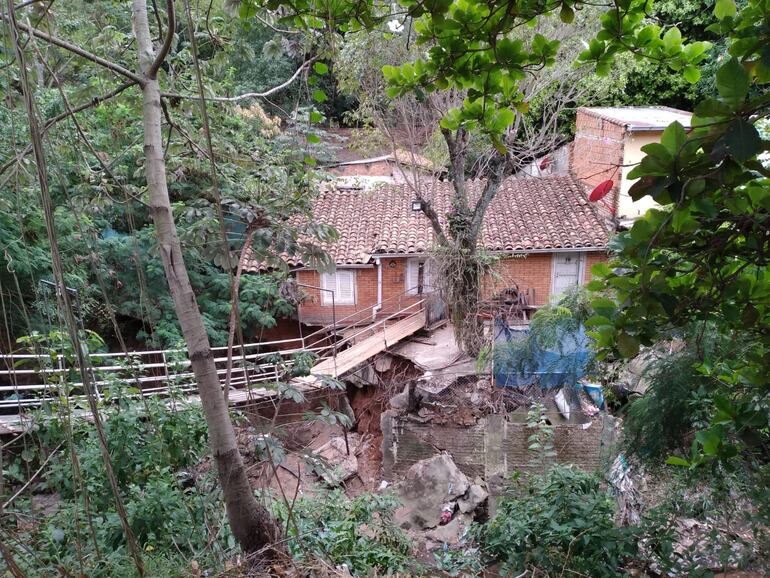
[{"x": 519, "y": 362}]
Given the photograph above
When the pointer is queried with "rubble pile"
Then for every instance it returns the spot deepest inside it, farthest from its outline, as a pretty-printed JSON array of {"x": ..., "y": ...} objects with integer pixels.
[{"x": 439, "y": 502}]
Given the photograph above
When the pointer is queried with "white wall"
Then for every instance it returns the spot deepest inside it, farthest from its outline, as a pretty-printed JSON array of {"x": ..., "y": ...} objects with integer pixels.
[{"x": 632, "y": 155}]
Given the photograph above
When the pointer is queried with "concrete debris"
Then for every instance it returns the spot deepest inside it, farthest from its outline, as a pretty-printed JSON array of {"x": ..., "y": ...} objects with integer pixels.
[
  {"x": 338, "y": 465},
  {"x": 473, "y": 499},
  {"x": 428, "y": 485},
  {"x": 400, "y": 402},
  {"x": 450, "y": 534}
]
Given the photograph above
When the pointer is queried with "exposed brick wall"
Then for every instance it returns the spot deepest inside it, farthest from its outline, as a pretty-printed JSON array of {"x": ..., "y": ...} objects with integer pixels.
[
  {"x": 531, "y": 273},
  {"x": 598, "y": 151},
  {"x": 495, "y": 447}
]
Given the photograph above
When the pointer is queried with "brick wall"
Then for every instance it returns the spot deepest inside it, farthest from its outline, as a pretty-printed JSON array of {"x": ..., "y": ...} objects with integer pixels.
[
  {"x": 591, "y": 260},
  {"x": 530, "y": 273},
  {"x": 314, "y": 312},
  {"x": 598, "y": 151},
  {"x": 493, "y": 448}
]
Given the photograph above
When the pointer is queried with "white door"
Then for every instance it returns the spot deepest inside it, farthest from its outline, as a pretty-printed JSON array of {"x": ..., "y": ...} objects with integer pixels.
[{"x": 567, "y": 271}]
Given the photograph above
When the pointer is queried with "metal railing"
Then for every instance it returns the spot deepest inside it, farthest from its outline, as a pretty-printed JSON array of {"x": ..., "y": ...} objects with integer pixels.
[{"x": 30, "y": 379}]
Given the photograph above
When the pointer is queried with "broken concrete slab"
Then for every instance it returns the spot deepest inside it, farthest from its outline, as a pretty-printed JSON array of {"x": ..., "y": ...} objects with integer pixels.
[
  {"x": 474, "y": 497},
  {"x": 427, "y": 486}
]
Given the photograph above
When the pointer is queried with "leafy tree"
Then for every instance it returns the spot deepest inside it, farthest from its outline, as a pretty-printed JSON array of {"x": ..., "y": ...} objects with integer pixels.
[
  {"x": 172, "y": 63},
  {"x": 478, "y": 50},
  {"x": 701, "y": 259}
]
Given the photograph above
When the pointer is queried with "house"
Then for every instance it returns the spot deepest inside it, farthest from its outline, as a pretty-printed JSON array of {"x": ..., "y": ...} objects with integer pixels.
[
  {"x": 607, "y": 146},
  {"x": 400, "y": 166},
  {"x": 544, "y": 229}
]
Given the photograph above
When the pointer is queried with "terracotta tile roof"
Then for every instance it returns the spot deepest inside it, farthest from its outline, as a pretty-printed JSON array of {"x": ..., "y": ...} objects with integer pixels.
[{"x": 548, "y": 213}]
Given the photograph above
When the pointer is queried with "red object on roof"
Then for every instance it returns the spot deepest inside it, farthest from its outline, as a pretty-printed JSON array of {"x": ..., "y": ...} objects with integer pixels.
[{"x": 600, "y": 191}]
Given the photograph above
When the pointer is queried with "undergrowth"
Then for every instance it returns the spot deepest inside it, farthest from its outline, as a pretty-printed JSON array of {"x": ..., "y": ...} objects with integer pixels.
[
  {"x": 359, "y": 532},
  {"x": 175, "y": 513}
]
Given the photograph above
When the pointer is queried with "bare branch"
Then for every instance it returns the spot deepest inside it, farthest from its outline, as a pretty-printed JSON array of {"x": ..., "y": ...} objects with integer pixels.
[
  {"x": 241, "y": 97},
  {"x": 113, "y": 66},
  {"x": 161, "y": 56}
]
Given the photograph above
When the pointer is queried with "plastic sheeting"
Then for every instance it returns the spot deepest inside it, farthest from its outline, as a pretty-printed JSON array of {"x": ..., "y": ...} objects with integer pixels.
[{"x": 519, "y": 362}]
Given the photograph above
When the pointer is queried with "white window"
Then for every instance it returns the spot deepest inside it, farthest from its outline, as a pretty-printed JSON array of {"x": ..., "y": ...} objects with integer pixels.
[
  {"x": 418, "y": 274},
  {"x": 567, "y": 271},
  {"x": 343, "y": 283}
]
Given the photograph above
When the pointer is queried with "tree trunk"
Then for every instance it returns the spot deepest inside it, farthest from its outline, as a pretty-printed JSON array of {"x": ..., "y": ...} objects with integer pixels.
[{"x": 250, "y": 522}]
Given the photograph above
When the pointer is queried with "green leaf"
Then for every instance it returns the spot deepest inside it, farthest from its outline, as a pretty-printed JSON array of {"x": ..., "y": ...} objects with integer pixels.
[
  {"x": 596, "y": 321},
  {"x": 724, "y": 9},
  {"x": 603, "y": 305},
  {"x": 691, "y": 73},
  {"x": 674, "y": 137},
  {"x": 316, "y": 116},
  {"x": 677, "y": 461},
  {"x": 710, "y": 440},
  {"x": 732, "y": 81},
  {"x": 320, "y": 68},
  {"x": 742, "y": 140},
  {"x": 567, "y": 14},
  {"x": 319, "y": 96},
  {"x": 313, "y": 138},
  {"x": 601, "y": 269},
  {"x": 628, "y": 345}
]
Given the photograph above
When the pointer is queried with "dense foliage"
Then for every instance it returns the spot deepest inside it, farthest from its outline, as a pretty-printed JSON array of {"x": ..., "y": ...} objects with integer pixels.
[
  {"x": 174, "y": 511},
  {"x": 698, "y": 264},
  {"x": 359, "y": 532},
  {"x": 98, "y": 183},
  {"x": 562, "y": 521}
]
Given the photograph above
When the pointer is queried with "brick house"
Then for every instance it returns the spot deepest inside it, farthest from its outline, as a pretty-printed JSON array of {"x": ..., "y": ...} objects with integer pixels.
[
  {"x": 544, "y": 229},
  {"x": 608, "y": 144},
  {"x": 400, "y": 166}
]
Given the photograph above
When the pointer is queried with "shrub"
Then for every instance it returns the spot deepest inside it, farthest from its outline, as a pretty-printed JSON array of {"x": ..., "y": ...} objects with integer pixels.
[
  {"x": 359, "y": 532},
  {"x": 560, "y": 522}
]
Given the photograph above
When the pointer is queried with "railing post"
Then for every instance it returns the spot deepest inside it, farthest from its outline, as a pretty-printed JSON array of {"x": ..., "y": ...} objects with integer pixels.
[{"x": 165, "y": 369}]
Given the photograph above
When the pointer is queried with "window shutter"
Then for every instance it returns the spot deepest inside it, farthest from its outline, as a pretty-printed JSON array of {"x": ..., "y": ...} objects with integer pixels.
[
  {"x": 327, "y": 282},
  {"x": 346, "y": 288}
]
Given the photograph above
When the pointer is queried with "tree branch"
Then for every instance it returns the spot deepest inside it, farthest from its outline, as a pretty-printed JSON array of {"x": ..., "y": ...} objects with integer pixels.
[
  {"x": 430, "y": 212},
  {"x": 241, "y": 97},
  {"x": 113, "y": 66},
  {"x": 161, "y": 56},
  {"x": 490, "y": 190}
]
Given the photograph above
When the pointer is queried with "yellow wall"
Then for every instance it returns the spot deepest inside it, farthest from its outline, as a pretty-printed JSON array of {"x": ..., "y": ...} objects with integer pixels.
[{"x": 632, "y": 155}]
